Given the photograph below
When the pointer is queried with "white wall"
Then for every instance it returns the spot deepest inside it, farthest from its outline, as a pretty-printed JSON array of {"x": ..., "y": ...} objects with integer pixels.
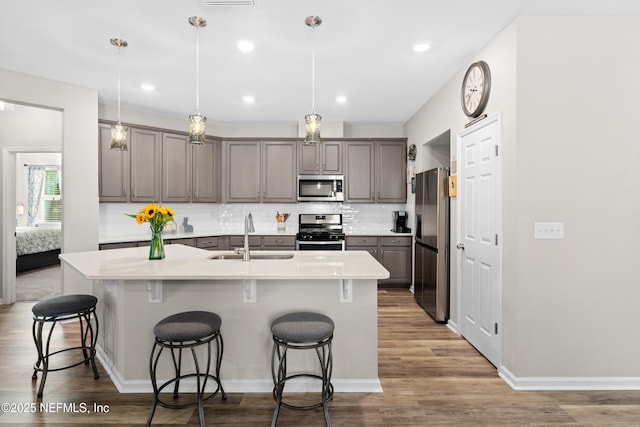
[
  {"x": 566, "y": 88},
  {"x": 252, "y": 130},
  {"x": 79, "y": 108},
  {"x": 577, "y": 152}
]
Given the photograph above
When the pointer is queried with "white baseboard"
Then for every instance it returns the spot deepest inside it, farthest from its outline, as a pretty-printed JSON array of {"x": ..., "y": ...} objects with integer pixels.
[
  {"x": 302, "y": 385},
  {"x": 453, "y": 326},
  {"x": 568, "y": 383}
]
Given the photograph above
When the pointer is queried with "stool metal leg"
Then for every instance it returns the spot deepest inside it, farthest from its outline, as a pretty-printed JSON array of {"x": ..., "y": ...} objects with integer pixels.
[
  {"x": 93, "y": 338},
  {"x": 200, "y": 376},
  {"x": 153, "y": 366},
  {"x": 279, "y": 374}
]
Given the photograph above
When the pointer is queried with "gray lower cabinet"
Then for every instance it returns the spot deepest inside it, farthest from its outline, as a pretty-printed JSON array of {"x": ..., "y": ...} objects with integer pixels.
[
  {"x": 191, "y": 173},
  {"x": 118, "y": 245},
  {"x": 265, "y": 243},
  {"x": 393, "y": 252},
  {"x": 320, "y": 159},
  {"x": 275, "y": 243},
  {"x": 375, "y": 171},
  {"x": 259, "y": 171}
]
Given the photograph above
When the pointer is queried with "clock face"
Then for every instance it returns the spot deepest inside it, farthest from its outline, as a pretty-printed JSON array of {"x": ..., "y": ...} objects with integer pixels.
[{"x": 475, "y": 89}]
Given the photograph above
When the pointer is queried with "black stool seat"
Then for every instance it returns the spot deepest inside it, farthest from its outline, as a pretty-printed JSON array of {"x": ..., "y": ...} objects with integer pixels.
[
  {"x": 302, "y": 327},
  {"x": 188, "y": 326},
  {"x": 63, "y": 305},
  {"x": 53, "y": 310},
  {"x": 187, "y": 330},
  {"x": 302, "y": 331}
]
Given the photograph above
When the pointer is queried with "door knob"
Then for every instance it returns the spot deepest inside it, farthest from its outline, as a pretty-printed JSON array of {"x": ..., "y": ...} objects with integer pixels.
[{"x": 460, "y": 246}]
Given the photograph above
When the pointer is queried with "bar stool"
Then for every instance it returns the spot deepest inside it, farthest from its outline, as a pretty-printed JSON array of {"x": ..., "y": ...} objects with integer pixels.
[
  {"x": 302, "y": 331},
  {"x": 54, "y": 310},
  {"x": 180, "y": 331}
]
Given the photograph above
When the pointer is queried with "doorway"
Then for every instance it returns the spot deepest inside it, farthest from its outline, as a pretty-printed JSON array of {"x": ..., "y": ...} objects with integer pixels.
[{"x": 19, "y": 136}]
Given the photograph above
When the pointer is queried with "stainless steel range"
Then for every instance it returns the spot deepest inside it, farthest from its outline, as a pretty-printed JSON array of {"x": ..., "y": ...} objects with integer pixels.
[{"x": 320, "y": 232}]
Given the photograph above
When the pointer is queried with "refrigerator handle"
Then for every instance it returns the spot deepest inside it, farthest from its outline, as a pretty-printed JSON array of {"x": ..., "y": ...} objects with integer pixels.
[{"x": 419, "y": 226}]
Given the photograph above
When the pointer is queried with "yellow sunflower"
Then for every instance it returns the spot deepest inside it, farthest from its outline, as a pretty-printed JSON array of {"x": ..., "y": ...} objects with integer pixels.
[
  {"x": 141, "y": 217},
  {"x": 150, "y": 210}
]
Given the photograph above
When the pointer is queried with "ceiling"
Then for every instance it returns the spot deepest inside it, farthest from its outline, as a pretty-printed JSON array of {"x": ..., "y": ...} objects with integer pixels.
[{"x": 363, "y": 50}]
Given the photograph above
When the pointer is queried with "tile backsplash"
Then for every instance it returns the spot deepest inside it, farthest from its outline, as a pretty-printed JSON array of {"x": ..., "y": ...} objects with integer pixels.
[{"x": 230, "y": 217}]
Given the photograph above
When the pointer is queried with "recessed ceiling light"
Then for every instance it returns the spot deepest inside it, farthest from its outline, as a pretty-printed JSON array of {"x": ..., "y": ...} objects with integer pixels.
[
  {"x": 341, "y": 99},
  {"x": 245, "y": 46},
  {"x": 421, "y": 47},
  {"x": 6, "y": 106},
  {"x": 147, "y": 87},
  {"x": 248, "y": 99}
]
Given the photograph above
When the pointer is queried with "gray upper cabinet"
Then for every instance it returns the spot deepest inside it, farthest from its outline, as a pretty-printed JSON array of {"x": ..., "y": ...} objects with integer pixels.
[
  {"x": 279, "y": 172},
  {"x": 241, "y": 171},
  {"x": 391, "y": 172},
  {"x": 375, "y": 171},
  {"x": 259, "y": 171},
  {"x": 190, "y": 172},
  {"x": 113, "y": 174},
  {"x": 321, "y": 159},
  {"x": 176, "y": 166},
  {"x": 146, "y": 165},
  {"x": 206, "y": 172},
  {"x": 359, "y": 171}
]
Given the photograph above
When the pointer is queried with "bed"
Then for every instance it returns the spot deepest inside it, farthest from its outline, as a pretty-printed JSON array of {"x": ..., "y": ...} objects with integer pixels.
[{"x": 37, "y": 247}]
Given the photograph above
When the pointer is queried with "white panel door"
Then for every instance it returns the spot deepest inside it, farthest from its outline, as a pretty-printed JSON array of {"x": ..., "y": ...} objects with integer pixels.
[{"x": 480, "y": 219}]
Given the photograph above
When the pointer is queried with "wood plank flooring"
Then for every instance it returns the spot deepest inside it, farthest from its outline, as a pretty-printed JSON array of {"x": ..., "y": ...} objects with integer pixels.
[{"x": 430, "y": 376}]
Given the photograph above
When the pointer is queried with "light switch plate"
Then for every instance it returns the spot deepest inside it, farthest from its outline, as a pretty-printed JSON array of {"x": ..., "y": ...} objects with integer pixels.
[{"x": 548, "y": 230}]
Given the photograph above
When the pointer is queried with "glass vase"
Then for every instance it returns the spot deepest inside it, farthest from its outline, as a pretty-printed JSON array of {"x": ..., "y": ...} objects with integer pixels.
[{"x": 156, "y": 249}]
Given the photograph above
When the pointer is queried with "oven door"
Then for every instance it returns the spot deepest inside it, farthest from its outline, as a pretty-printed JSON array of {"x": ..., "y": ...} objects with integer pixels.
[{"x": 335, "y": 245}]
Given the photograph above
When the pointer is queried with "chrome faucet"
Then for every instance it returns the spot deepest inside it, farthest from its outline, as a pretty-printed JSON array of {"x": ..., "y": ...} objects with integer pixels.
[{"x": 248, "y": 228}]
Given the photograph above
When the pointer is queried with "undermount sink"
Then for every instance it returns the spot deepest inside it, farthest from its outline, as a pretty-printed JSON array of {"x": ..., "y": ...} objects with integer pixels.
[{"x": 256, "y": 256}]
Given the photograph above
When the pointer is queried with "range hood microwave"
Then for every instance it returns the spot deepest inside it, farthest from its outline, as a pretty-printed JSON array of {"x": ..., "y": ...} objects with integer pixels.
[{"x": 320, "y": 188}]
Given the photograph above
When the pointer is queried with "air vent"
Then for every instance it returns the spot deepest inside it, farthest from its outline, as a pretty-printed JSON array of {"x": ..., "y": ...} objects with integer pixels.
[{"x": 229, "y": 2}]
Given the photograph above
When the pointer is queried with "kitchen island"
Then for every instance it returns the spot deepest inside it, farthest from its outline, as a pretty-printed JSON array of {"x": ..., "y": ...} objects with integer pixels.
[{"x": 134, "y": 293}]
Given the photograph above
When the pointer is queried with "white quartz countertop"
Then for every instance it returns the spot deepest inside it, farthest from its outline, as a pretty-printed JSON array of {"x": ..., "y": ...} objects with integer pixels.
[
  {"x": 189, "y": 263},
  {"x": 207, "y": 233}
]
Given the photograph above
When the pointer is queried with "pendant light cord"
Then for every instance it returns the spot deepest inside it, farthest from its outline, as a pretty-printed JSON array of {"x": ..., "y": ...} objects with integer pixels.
[
  {"x": 313, "y": 72},
  {"x": 119, "y": 48},
  {"x": 197, "y": 70}
]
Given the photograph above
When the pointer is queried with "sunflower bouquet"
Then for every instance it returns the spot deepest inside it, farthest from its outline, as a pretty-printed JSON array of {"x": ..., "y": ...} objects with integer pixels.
[{"x": 156, "y": 216}]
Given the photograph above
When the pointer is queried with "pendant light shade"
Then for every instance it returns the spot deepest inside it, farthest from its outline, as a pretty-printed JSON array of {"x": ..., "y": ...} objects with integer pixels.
[
  {"x": 312, "y": 120},
  {"x": 119, "y": 132},
  {"x": 312, "y": 125},
  {"x": 197, "y": 122}
]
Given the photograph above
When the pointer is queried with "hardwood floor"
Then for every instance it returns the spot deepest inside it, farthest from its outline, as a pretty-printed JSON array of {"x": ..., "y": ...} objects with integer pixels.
[{"x": 430, "y": 376}]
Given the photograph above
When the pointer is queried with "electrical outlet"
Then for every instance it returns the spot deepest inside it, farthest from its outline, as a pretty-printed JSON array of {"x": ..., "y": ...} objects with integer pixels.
[{"x": 548, "y": 230}]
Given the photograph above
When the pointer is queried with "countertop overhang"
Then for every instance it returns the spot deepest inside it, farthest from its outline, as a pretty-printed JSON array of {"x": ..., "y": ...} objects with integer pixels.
[
  {"x": 189, "y": 263},
  {"x": 290, "y": 231}
]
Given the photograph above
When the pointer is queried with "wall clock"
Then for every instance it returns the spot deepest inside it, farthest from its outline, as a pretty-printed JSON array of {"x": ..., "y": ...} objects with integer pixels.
[{"x": 476, "y": 86}]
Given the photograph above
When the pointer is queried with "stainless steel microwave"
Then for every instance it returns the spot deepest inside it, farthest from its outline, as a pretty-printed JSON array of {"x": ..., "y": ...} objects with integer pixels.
[{"x": 320, "y": 188}]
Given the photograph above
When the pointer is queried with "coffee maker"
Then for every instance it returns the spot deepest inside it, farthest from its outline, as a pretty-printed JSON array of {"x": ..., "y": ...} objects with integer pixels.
[{"x": 400, "y": 222}]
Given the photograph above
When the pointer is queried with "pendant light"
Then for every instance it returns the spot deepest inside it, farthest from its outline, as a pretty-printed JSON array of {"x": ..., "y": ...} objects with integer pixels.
[
  {"x": 197, "y": 122},
  {"x": 119, "y": 132},
  {"x": 312, "y": 120}
]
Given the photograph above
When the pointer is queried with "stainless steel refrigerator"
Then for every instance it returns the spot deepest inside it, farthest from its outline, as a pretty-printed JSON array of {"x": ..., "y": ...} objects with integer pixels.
[{"x": 431, "y": 284}]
